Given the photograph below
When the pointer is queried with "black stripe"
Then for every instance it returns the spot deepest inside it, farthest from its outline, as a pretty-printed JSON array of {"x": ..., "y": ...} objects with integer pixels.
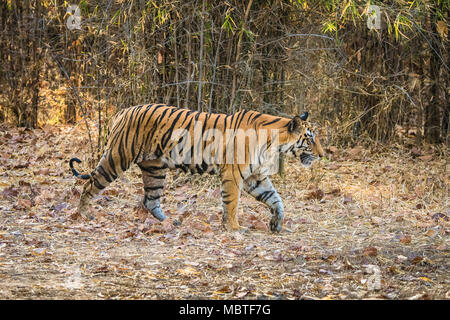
[
  {"x": 263, "y": 196},
  {"x": 258, "y": 182},
  {"x": 240, "y": 172},
  {"x": 152, "y": 169},
  {"x": 231, "y": 120},
  {"x": 207, "y": 116},
  {"x": 98, "y": 185},
  {"x": 130, "y": 122},
  {"x": 104, "y": 174},
  {"x": 161, "y": 117},
  {"x": 113, "y": 166},
  {"x": 155, "y": 127},
  {"x": 139, "y": 122},
  {"x": 188, "y": 126},
  {"x": 257, "y": 116},
  {"x": 271, "y": 122},
  {"x": 239, "y": 120},
  {"x": 122, "y": 156},
  {"x": 251, "y": 116},
  {"x": 199, "y": 169},
  {"x": 225, "y": 124},
  {"x": 152, "y": 188},
  {"x": 188, "y": 112},
  {"x": 151, "y": 198},
  {"x": 135, "y": 133},
  {"x": 168, "y": 133},
  {"x": 158, "y": 177},
  {"x": 158, "y": 151},
  {"x": 215, "y": 122},
  {"x": 144, "y": 142}
]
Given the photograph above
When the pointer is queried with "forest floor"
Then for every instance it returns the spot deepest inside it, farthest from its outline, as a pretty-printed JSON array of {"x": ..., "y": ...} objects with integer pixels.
[{"x": 366, "y": 224}]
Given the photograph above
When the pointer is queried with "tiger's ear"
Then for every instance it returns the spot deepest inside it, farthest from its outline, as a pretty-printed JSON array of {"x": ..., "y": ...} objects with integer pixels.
[
  {"x": 295, "y": 125},
  {"x": 304, "y": 116}
]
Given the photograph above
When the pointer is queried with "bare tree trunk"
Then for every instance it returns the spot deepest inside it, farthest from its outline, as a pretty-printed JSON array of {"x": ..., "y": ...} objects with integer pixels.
[
  {"x": 176, "y": 66},
  {"x": 70, "y": 114},
  {"x": 446, "y": 87},
  {"x": 236, "y": 61},
  {"x": 432, "y": 120},
  {"x": 214, "y": 68},
  {"x": 281, "y": 170},
  {"x": 188, "y": 48},
  {"x": 36, "y": 68},
  {"x": 200, "y": 71}
]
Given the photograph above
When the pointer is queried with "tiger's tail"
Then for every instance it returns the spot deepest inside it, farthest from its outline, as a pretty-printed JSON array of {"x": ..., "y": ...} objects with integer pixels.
[{"x": 75, "y": 172}]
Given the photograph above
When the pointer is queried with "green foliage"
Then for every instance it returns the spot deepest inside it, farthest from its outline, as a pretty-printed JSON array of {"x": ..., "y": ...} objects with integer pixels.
[
  {"x": 329, "y": 27},
  {"x": 250, "y": 35},
  {"x": 401, "y": 23},
  {"x": 229, "y": 23},
  {"x": 84, "y": 7}
]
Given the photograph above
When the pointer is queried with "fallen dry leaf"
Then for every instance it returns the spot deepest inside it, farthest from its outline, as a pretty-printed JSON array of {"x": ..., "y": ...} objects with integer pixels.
[
  {"x": 405, "y": 239},
  {"x": 24, "y": 203},
  {"x": 39, "y": 251},
  {"x": 370, "y": 252},
  {"x": 348, "y": 198},
  {"x": 224, "y": 289},
  {"x": 426, "y": 158},
  {"x": 317, "y": 194},
  {"x": 188, "y": 271}
]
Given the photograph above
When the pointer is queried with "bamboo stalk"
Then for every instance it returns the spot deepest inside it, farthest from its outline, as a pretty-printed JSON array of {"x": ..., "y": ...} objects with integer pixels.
[
  {"x": 238, "y": 53},
  {"x": 214, "y": 68},
  {"x": 200, "y": 71}
]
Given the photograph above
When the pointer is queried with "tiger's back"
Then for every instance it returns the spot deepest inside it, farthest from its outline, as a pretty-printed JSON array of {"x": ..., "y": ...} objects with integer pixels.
[{"x": 147, "y": 132}]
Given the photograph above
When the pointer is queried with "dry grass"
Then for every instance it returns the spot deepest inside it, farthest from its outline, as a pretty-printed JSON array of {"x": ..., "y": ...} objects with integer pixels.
[{"x": 364, "y": 207}]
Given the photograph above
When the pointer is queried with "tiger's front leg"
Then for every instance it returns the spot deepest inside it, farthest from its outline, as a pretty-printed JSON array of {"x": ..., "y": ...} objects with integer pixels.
[
  {"x": 231, "y": 191},
  {"x": 261, "y": 188},
  {"x": 153, "y": 176}
]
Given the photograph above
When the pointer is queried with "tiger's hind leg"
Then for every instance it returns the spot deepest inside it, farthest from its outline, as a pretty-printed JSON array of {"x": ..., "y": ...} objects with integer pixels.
[
  {"x": 105, "y": 173},
  {"x": 153, "y": 175},
  {"x": 262, "y": 190}
]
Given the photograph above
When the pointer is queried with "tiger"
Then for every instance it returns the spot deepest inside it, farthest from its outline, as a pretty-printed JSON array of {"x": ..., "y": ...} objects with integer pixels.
[{"x": 150, "y": 135}]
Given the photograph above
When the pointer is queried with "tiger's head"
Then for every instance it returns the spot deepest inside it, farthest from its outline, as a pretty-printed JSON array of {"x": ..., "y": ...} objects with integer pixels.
[{"x": 303, "y": 141}]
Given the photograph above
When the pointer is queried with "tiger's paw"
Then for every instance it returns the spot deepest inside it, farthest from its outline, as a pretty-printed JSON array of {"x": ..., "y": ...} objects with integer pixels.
[
  {"x": 242, "y": 230},
  {"x": 89, "y": 217},
  {"x": 83, "y": 210},
  {"x": 86, "y": 215},
  {"x": 275, "y": 225},
  {"x": 158, "y": 214},
  {"x": 236, "y": 228}
]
